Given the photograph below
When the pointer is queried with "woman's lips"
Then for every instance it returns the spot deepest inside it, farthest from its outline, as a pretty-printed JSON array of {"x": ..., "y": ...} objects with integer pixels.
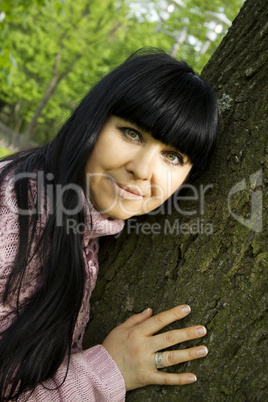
[{"x": 127, "y": 192}]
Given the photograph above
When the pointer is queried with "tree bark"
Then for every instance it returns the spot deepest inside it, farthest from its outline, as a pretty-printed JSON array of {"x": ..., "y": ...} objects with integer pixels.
[{"x": 216, "y": 259}]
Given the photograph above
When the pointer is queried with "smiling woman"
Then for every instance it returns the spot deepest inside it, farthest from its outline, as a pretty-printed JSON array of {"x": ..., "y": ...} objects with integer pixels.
[
  {"x": 131, "y": 173},
  {"x": 134, "y": 139}
]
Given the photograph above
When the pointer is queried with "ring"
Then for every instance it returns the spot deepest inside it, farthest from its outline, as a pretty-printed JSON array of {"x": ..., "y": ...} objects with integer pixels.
[{"x": 158, "y": 360}]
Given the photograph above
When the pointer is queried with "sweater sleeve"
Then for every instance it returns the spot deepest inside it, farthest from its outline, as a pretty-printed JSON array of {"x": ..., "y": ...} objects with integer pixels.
[{"x": 91, "y": 374}]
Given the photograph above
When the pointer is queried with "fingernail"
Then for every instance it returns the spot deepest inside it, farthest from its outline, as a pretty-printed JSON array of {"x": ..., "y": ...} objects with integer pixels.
[
  {"x": 202, "y": 351},
  {"x": 186, "y": 310},
  {"x": 146, "y": 311},
  {"x": 192, "y": 378},
  {"x": 201, "y": 331}
]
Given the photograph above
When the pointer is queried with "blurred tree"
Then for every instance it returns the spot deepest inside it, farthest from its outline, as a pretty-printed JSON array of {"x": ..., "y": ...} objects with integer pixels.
[
  {"x": 81, "y": 31},
  {"x": 63, "y": 47},
  {"x": 204, "y": 22},
  {"x": 14, "y": 11}
]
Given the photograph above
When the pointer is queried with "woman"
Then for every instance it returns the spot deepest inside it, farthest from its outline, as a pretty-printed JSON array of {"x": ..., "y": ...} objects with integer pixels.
[{"x": 135, "y": 138}]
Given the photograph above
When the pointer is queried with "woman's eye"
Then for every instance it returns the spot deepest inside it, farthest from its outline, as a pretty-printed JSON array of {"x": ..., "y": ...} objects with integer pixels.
[
  {"x": 131, "y": 134},
  {"x": 174, "y": 158}
]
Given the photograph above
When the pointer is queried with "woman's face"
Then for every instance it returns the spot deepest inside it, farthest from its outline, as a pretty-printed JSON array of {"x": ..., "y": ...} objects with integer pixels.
[{"x": 131, "y": 173}]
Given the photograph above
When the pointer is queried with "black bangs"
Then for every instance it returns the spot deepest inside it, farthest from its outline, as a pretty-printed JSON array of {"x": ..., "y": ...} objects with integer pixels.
[
  {"x": 159, "y": 94},
  {"x": 164, "y": 97}
]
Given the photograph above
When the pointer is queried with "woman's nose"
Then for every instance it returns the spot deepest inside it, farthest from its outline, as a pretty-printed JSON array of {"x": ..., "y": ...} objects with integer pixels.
[{"x": 142, "y": 164}]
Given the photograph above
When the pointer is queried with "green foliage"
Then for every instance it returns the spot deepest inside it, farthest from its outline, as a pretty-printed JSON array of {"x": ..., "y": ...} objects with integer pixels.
[
  {"x": 4, "y": 151},
  {"x": 78, "y": 35},
  {"x": 85, "y": 39},
  {"x": 15, "y": 11}
]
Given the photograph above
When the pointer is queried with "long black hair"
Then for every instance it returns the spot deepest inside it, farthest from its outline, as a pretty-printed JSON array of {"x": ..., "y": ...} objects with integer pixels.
[{"x": 160, "y": 95}]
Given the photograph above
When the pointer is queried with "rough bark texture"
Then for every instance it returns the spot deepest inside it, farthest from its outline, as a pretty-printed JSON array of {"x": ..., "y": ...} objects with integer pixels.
[{"x": 223, "y": 275}]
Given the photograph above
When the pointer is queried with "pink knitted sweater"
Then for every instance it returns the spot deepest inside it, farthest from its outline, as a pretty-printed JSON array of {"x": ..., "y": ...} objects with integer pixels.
[{"x": 92, "y": 374}]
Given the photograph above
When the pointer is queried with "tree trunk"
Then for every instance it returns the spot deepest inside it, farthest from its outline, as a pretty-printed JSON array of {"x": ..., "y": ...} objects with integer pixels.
[{"x": 216, "y": 259}]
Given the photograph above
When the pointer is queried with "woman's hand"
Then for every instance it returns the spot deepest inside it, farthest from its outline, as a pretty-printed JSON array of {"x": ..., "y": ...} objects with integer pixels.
[{"x": 133, "y": 345}]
